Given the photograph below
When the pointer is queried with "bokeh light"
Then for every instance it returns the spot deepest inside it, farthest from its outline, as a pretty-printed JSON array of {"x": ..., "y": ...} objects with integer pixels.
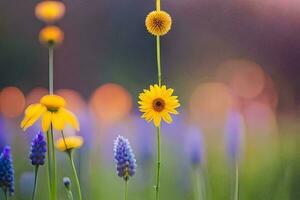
[
  {"x": 111, "y": 102},
  {"x": 210, "y": 103},
  {"x": 12, "y": 102},
  {"x": 74, "y": 100},
  {"x": 35, "y": 95},
  {"x": 245, "y": 78},
  {"x": 50, "y": 11}
]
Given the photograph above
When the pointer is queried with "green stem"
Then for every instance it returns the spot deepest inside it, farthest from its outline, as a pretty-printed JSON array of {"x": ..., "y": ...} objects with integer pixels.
[
  {"x": 70, "y": 195},
  {"x": 236, "y": 184},
  {"x": 126, "y": 190},
  {"x": 49, "y": 174},
  {"x": 157, "y": 186},
  {"x": 5, "y": 194},
  {"x": 196, "y": 184},
  {"x": 53, "y": 164},
  {"x": 35, "y": 181},
  {"x": 158, "y": 59},
  {"x": 75, "y": 173},
  {"x": 51, "y": 55}
]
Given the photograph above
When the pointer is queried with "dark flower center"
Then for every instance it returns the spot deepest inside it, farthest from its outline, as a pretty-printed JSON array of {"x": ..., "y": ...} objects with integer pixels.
[
  {"x": 158, "y": 23},
  {"x": 158, "y": 104}
]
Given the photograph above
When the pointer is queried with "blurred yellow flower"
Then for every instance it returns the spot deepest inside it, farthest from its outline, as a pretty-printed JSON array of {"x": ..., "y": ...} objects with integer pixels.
[
  {"x": 50, "y": 11},
  {"x": 158, "y": 23},
  {"x": 69, "y": 143},
  {"x": 51, "y": 36},
  {"x": 158, "y": 103},
  {"x": 52, "y": 110}
]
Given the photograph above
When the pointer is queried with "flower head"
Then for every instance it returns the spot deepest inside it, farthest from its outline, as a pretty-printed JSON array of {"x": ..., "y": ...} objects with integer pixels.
[
  {"x": 7, "y": 171},
  {"x": 124, "y": 157},
  {"x": 158, "y": 23},
  {"x": 234, "y": 131},
  {"x": 51, "y": 36},
  {"x": 67, "y": 182},
  {"x": 52, "y": 111},
  {"x": 195, "y": 146},
  {"x": 158, "y": 103},
  {"x": 38, "y": 150},
  {"x": 69, "y": 143},
  {"x": 50, "y": 11}
]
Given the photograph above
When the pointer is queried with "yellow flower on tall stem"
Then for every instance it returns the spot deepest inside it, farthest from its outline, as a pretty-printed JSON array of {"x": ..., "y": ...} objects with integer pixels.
[
  {"x": 158, "y": 23},
  {"x": 67, "y": 145},
  {"x": 52, "y": 111},
  {"x": 50, "y": 11},
  {"x": 157, "y": 104}
]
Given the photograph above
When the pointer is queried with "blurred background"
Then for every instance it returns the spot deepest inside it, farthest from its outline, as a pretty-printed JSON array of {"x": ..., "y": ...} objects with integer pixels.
[{"x": 223, "y": 58}]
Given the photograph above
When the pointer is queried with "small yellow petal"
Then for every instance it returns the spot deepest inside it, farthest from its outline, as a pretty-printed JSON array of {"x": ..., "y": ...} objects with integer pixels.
[
  {"x": 69, "y": 117},
  {"x": 32, "y": 114},
  {"x": 58, "y": 120},
  {"x": 46, "y": 121},
  {"x": 68, "y": 143}
]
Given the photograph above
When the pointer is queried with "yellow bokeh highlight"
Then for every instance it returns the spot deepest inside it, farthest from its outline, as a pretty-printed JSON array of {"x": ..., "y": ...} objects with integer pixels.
[{"x": 51, "y": 36}]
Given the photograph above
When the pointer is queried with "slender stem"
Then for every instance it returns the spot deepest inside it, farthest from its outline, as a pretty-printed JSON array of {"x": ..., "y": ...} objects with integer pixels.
[
  {"x": 70, "y": 195},
  {"x": 158, "y": 59},
  {"x": 236, "y": 184},
  {"x": 157, "y": 186},
  {"x": 75, "y": 173},
  {"x": 126, "y": 190},
  {"x": 158, "y": 5},
  {"x": 51, "y": 55},
  {"x": 196, "y": 183},
  {"x": 5, "y": 194},
  {"x": 53, "y": 164},
  {"x": 49, "y": 174},
  {"x": 35, "y": 181}
]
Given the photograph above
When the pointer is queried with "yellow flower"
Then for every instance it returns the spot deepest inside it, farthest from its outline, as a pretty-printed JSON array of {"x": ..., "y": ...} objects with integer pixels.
[
  {"x": 69, "y": 143},
  {"x": 158, "y": 103},
  {"x": 52, "y": 110},
  {"x": 158, "y": 23},
  {"x": 50, "y": 11},
  {"x": 51, "y": 36}
]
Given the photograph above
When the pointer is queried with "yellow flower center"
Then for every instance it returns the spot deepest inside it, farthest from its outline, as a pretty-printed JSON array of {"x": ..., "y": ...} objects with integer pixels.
[
  {"x": 53, "y": 102},
  {"x": 158, "y": 104}
]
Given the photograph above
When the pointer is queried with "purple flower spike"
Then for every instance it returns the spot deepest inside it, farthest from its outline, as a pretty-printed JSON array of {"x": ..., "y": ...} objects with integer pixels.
[
  {"x": 7, "y": 172},
  {"x": 38, "y": 149},
  {"x": 124, "y": 157},
  {"x": 234, "y": 131},
  {"x": 195, "y": 146}
]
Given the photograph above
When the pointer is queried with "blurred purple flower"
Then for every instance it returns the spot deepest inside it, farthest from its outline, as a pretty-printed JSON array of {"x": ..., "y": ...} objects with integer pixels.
[
  {"x": 234, "y": 132},
  {"x": 195, "y": 146}
]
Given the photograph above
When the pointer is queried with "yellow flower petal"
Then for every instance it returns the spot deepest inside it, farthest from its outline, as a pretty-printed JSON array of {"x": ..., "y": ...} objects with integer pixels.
[
  {"x": 32, "y": 114},
  {"x": 68, "y": 143},
  {"x": 46, "y": 121},
  {"x": 70, "y": 118},
  {"x": 58, "y": 120}
]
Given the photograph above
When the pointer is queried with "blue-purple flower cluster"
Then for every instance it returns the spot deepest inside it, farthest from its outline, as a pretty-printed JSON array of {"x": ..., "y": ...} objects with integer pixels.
[
  {"x": 124, "y": 157},
  {"x": 7, "y": 172},
  {"x": 38, "y": 150}
]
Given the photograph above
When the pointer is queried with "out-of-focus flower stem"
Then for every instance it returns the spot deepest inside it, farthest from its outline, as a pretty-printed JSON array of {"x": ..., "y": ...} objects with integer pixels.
[
  {"x": 35, "y": 181},
  {"x": 70, "y": 155},
  {"x": 236, "y": 184}
]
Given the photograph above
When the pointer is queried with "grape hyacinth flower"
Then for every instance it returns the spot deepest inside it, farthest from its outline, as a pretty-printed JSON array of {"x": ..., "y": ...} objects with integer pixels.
[
  {"x": 38, "y": 150},
  {"x": 37, "y": 156},
  {"x": 7, "y": 172},
  {"x": 125, "y": 159}
]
